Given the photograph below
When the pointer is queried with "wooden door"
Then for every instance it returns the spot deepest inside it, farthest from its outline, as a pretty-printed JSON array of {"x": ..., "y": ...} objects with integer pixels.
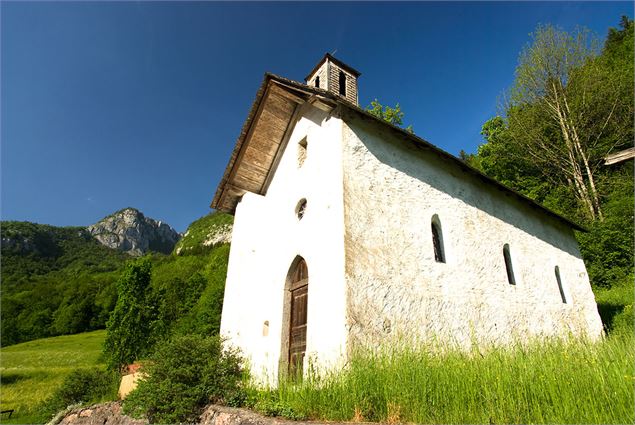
[{"x": 297, "y": 322}]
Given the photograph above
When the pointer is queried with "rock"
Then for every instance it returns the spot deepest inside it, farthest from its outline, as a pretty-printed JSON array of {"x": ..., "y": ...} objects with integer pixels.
[
  {"x": 98, "y": 414},
  {"x": 128, "y": 383},
  {"x": 18, "y": 244},
  {"x": 219, "y": 415},
  {"x": 110, "y": 414},
  {"x": 130, "y": 231},
  {"x": 219, "y": 235},
  {"x": 206, "y": 233}
]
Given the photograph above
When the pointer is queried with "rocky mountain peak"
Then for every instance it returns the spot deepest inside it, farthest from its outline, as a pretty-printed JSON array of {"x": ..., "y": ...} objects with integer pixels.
[{"x": 129, "y": 230}]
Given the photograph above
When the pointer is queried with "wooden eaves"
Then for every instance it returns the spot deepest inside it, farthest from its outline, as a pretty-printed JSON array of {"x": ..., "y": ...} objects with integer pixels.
[
  {"x": 262, "y": 138},
  {"x": 269, "y": 123}
]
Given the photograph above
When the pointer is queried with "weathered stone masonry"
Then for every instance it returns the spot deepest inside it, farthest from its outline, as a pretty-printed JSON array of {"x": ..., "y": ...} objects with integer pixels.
[{"x": 396, "y": 289}]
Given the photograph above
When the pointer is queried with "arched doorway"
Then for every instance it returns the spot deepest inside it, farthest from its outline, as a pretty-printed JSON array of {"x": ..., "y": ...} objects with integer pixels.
[{"x": 298, "y": 286}]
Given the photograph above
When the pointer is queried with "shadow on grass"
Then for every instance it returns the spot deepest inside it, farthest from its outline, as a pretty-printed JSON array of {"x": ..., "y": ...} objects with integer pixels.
[
  {"x": 7, "y": 378},
  {"x": 608, "y": 311}
]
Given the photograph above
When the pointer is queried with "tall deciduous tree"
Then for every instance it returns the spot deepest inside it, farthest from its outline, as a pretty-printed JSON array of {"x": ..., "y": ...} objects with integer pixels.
[
  {"x": 127, "y": 329},
  {"x": 561, "y": 107},
  {"x": 525, "y": 147}
]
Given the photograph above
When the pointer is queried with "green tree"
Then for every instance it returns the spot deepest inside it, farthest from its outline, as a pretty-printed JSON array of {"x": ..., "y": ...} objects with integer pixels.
[
  {"x": 500, "y": 159},
  {"x": 567, "y": 110},
  {"x": 392, "y": 115},
  {"x": 525, "y": 147},
  {"x": 128, "y": 326}
]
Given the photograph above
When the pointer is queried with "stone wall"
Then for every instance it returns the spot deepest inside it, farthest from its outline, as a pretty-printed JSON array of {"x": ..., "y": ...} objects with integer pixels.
[{"x": 396, "y": 291}]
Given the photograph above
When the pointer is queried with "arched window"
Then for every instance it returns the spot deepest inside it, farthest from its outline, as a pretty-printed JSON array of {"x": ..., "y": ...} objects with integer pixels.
[
  {"x": 437, "y": 240},
  {"x": 342, "y": 81},
  {"x": 300, "y": 209},
  {"x": 302, "y": 144},
  {"x": 317, "y": 82},
  {"x": 562, "y": 295},
  {"x": 508, "y": 265}
]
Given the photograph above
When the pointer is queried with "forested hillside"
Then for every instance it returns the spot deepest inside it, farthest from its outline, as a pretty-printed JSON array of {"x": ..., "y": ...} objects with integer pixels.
[
  {"x": 30, "y": 250},
  {"x": 61, "y": 280},
  {"x": 571, "y": 105},
  {"x": 55, "y": 280}
]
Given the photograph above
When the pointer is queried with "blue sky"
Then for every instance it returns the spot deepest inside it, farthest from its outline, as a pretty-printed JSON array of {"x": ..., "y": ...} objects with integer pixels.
[{"x": 115, "y": 104}]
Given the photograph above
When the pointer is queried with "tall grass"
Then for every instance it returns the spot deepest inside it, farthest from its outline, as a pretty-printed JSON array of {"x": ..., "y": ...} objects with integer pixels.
[{"x": 545, "y": 382}]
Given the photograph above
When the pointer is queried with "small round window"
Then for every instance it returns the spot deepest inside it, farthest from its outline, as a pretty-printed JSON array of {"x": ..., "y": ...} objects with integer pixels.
[{"x": 300, "y": 209}]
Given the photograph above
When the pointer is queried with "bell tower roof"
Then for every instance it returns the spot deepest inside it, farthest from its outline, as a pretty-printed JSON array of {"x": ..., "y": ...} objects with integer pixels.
[
  {"x": 329, "y": 57},
  {"x": 335, "y": 76}
]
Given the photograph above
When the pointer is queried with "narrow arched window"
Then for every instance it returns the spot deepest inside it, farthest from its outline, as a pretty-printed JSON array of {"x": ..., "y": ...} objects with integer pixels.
[
  {"x": 437, "y": 240},
  {"x": 562, "y": 295},
  {"x": 508, "y": 265},
  {"x": 342, "y": 81},
  {"x": 302, "y": 144},
  {"x": 300, "y": 209},
  {"x": 317, "y": 82}
]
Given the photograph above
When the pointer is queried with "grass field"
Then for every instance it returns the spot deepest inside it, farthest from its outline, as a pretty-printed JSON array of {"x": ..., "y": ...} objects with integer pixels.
[
  {"x": 30, "y": 372},
  {"x": 547, "y": 382}
]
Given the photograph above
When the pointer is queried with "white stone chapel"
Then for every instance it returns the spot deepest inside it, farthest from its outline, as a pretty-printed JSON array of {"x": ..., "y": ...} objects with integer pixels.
[{"x": 350, "y": 232}]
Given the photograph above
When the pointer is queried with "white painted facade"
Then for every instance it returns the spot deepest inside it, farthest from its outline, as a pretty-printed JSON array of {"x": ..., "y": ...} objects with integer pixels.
[
  {"x": 268, "y": 236},
  {"x": 366, "y": 236}
]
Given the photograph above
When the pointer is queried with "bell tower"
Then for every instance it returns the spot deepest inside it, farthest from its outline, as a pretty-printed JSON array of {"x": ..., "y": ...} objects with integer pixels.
[{"x": 335, "y": 76}]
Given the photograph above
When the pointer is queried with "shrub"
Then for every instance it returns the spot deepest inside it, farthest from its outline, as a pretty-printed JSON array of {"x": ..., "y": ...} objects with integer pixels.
[
  {"x": 185, "y": 375},
  {"x": 83, "y": 386}
]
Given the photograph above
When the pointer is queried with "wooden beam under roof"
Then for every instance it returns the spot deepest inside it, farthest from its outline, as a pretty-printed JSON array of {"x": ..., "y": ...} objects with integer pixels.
[{"x": 258, "y": 147}]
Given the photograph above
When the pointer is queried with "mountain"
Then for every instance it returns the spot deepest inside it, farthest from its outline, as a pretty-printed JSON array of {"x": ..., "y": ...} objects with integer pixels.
[
  {"x": 31, "y": 249},
  {"x": 130, "y": 231}
]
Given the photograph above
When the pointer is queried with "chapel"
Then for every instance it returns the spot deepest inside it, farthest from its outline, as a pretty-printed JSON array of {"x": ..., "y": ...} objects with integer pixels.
[{"x": 351, "y": 233}]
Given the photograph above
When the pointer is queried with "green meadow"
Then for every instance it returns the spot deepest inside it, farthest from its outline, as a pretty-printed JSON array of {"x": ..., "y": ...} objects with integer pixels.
[{"x": 31, "y": 371}]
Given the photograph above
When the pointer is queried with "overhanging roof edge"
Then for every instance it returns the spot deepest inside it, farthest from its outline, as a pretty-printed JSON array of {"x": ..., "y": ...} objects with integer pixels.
[{"x": 291, "y": 84}]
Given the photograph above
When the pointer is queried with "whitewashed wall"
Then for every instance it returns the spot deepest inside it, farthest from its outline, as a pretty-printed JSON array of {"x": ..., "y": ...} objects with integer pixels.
[
  {"x": 266, "y": 238},
  {"x": 397, "y": 290}
]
